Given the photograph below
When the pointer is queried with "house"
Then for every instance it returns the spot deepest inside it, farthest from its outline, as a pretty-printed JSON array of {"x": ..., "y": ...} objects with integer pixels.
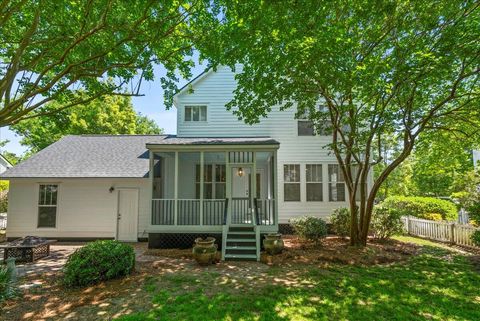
[
  {"x": 217, "y": 176},
  {"x": 476, "y": 158}
]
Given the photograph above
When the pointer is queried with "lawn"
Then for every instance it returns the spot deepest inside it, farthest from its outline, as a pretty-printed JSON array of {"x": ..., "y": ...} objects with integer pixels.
[
  {"x": 433, "y": 284},
  {"x": 436, "y": 285}
]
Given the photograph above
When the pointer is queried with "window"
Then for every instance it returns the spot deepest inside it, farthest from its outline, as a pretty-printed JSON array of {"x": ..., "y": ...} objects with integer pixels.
[
  {"x": 336, "y": 184},
  {"x": 195, "y": 113},
  {"x": 291, "y": 178},
  {"x": 306, "y": 127},
  {"x": 47, "y": 205},
  {"x": 314, "y": 182},
  {"x": 214, "y": 180}
]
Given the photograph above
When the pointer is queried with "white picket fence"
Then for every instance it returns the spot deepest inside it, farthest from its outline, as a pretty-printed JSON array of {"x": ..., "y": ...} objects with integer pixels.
[{"x": 451, "y": 232}]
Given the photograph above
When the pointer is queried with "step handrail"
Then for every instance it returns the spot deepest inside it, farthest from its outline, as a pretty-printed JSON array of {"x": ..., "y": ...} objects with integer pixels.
[{"x": 225, "y": 212}]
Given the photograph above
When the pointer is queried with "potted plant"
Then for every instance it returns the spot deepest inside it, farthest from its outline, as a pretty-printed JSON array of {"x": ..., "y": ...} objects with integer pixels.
[
  {"x": 273, "y": 243},
  {"x": 205, "y": 250}
]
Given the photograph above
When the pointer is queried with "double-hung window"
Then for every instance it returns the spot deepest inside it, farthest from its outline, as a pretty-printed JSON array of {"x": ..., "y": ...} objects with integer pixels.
[
  {"x": 306, "y": 127},
  {"x": 196, "y": 113},
  {"x": 291, "y": 179},
  {"x": 336, "y": 184},
  {"x": 47, "y": 205},
  {"x": 314, "y": 182}
]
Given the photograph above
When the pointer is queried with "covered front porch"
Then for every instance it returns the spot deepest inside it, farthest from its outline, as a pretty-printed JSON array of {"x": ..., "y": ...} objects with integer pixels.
[{"x": 202, "y": 185}]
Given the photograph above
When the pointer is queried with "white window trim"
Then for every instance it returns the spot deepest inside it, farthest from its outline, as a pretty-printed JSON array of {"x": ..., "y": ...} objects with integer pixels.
[
  {"x": 329, "y": 182},
  {"x": 57, "y": 206},
  {"x": 299, "y": 182},
  {"x": 207, "y": 114},
  {"x": 322, "y": 182}
]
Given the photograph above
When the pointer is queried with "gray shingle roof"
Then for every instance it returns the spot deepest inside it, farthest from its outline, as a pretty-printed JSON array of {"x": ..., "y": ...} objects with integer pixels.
[{"x": 106, "y": 155}]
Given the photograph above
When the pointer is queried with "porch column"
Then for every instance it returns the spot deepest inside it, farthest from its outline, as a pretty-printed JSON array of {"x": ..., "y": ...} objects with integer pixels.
[
  {"x": 201, "y": 186},
  {"x": 150, "y": 186},
  {"x": 275, "y": 187},
  {"x": 175, "y": 195}
]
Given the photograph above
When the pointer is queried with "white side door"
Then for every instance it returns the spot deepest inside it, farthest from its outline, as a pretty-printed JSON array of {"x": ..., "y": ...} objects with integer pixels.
[{"x": 127, "y": 215}]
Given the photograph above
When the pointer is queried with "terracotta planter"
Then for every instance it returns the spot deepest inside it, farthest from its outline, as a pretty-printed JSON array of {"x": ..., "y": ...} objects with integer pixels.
[
  {"x": 205, "y": 250},
  {"x": 273, "y": 244}
]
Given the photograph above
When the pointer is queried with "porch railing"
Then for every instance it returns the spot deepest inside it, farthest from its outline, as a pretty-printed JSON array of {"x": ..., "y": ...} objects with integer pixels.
[
  {"x": 188, "y": 211},
  {"x": 265, "y": 211},
  {"x": 214, "y": 210},
  {"x": 241, "y": 210}
]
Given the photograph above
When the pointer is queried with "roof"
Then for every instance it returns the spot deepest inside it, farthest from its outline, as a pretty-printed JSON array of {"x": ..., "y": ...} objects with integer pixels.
[
  {"x": 174, "y": 140},
  {"x": 97, "y": 156}
]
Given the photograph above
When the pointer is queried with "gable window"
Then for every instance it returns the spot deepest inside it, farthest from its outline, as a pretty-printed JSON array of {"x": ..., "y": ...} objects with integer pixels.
[
  {"x": 336, "y": 184},
  {"x": 196, "y": 113},
  {"x": 291, "y": 178},
  {"x": 47, "y": 205},
  {"x": 314, "y": 182}
]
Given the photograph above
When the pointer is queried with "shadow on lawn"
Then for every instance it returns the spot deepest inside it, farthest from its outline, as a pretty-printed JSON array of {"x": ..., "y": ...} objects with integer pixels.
[{"x": 435, "y": 285}]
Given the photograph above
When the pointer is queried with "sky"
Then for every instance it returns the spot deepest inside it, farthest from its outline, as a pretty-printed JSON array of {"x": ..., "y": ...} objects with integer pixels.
[{"x": 151, "y": 105}]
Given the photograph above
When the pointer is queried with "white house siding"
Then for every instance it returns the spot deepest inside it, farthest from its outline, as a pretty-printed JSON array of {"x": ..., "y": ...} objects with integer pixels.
[
  {"x": 215, "y": 90},
  {"x": 86, "y": 207},
  {"x": 476, "y": 158}
]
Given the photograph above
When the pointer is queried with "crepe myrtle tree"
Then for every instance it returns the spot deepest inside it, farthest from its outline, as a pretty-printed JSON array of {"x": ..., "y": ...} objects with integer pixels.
[
  {"x": 383, "y": 70},
  {"x": 75, "y": 51}
]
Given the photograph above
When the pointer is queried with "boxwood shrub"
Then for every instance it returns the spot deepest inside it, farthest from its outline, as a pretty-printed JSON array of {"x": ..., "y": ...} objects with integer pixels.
[
  {"x": 422, "y": 207},
  {"x": 98, "y": 261},
  {"x": 386, "y": 222},
  {"x": 310, "y": 228}
]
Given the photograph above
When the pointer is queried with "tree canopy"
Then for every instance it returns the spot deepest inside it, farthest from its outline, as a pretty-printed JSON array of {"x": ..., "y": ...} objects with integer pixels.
[
  {"x": 106, "y": 115},
  {"x": 382, "y": 70},
  {"x": 75, "y": 51}
]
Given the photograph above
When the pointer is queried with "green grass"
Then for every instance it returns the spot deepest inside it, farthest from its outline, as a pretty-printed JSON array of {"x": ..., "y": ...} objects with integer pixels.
[{"x": 435, "y": 285}]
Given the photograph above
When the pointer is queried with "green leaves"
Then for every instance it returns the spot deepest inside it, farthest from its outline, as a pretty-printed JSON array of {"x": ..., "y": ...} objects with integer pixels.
[
  {"x": 52, "y": 50},
  {"x": 106, "y": 115}
]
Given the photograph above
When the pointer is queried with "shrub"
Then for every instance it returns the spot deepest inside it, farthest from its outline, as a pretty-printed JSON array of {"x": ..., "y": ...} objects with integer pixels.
[
  {"x": 98, "y": 261},
  {"x": 386, "y": 222},
  {"x": 340, "y": 220},
  {"x": 3, "y": 201},
  {"x": 432, "y": 216},
  {"x": 7, "y": 284},
  {"x": 421, "y": 206},
  {"x": 310, "y": 228},
  {"x": 476, "y": 238}
]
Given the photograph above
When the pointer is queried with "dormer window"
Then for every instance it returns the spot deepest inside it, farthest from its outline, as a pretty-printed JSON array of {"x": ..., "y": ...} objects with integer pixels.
[{"x": 196, "y": 113}]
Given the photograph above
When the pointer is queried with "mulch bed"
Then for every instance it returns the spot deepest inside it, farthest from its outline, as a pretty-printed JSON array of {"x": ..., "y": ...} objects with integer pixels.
[{"x": 337, "y": 250}]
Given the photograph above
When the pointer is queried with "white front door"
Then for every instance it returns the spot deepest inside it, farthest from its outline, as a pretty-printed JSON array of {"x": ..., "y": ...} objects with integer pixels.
[
  {"x": 127, "y": 215},
  {"x": 240, "y": 182}
]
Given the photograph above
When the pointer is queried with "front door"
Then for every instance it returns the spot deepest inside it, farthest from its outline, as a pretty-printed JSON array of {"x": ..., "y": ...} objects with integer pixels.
[
  {"x": 241, "y": 195},
  {"x": 127, "y": 215}
]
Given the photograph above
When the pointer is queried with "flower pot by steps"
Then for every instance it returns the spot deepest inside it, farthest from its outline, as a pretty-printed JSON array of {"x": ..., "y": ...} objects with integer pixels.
[
  {"x": 205, "y": 250},
  {"x": 273, "y": 244}
]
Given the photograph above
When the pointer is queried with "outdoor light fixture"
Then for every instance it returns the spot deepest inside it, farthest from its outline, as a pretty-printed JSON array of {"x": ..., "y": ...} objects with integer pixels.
[
  {"x": 240, "y": 172},
  {"x": 111, "y": 189}
]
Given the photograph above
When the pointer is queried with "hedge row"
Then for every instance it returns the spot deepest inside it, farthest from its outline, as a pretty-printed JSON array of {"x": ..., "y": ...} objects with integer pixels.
[{"x": 422, "y": 207}]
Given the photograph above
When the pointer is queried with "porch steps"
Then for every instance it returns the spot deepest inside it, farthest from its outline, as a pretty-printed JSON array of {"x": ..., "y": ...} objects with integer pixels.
[
  {"x": 246, "y": 257},
  {"x": 241, "y": 243}
]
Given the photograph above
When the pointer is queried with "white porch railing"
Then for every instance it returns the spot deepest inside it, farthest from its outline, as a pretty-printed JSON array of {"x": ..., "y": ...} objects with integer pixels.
[{"x": 188, "y": 211}]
